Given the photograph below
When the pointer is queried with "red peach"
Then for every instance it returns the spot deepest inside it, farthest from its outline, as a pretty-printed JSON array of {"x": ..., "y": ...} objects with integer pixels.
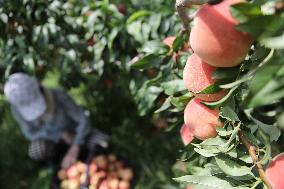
[
  {"x": 62, "y": 174},
  {"x": 214, "y": 37},
  {"x": 186, "y": 134},
  {"x": 73, "y": 183},
  {"x": 275, "y": 172},
  {"x": 124, "y": 185},
  {"x": 101, "y": 162},
  {"x": 111, "y": 158},
  {"x": 126, "y": 174},
  {"x": 113, "y": 183},
  {"x": 82, "y": 167},
  {"x": 104, "y": 185},
  {"x": 93, "y": 168},
  {"x": 201, "y": 120},
  {"x": 169, "y": 42},
  {"x": 197, "y": 76},
  {"x": 72, "y": 172}
]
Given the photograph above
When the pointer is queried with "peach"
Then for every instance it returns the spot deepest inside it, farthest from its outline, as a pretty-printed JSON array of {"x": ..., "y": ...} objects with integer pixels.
[
  {"x": 104, "y": 185},
  {"x": 197, "y": 76},
  {"x": 73, "y": 183},
  {"x": 101, "y": 161},
  {"x": 275, "y": 172},
  {"x": 126, "y": 174},
  {"x": 82, "y": 167},
  {"x": 214, "y": 37},
  {"x": 62, "y": 174},
  {"x": 124, "y": 185},
  {"x": 64, "y": 184},
  {"x": 111, "y": 158},
  {"x": 186, "y": 134},
  {"x": 201, "y": 120},
  {"x": 169, "y": 42},
  {"x": 72, "y": 172},
  {"x": 113, "y": 183},
  {"x": 93, "y": 168}
]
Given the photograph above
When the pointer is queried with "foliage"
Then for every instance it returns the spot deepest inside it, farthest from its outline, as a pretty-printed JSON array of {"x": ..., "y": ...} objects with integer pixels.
[
  {"x": 253, "y": 105},
  {"x": 110, "y": 56},
  {"x": 86, "y": 47}
]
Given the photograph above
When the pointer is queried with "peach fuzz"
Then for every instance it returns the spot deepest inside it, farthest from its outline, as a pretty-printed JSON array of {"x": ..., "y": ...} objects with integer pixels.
[
  {"x": 214, "y": 37},
  {"x": 197, "y": 76},
  {"x": 201, "y": 120},
  {"x": 275, "y": 172}
]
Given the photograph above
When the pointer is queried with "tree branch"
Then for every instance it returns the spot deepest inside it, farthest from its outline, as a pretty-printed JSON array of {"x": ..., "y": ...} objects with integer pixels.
[
  {"x": 182, "y": 5},
  {"x": 252, "y": 152}
]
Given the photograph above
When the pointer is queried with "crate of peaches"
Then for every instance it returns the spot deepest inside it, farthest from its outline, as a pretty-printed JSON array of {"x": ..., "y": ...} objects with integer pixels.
[{"x": 105, "y": 172}]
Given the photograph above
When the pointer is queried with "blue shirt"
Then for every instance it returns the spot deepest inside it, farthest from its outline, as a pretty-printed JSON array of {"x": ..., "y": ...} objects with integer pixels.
[{"x": 67, "y": 116}]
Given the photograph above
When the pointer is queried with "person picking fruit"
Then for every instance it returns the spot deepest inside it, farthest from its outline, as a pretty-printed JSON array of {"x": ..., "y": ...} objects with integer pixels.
[{"x": 46, "y": 117}]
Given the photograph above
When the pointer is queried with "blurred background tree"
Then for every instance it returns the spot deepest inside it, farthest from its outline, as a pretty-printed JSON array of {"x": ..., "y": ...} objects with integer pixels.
[{"x": 87, "y": 48}]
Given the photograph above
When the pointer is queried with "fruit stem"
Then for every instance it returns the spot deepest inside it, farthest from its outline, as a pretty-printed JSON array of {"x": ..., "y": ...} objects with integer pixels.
[
  {"x": 182, "y": 5},
  {"x": 252, "y": 152}
]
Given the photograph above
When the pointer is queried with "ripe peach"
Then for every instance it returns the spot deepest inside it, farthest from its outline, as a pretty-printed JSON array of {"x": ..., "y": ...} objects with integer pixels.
[
  {"x": 169, "y": 42},
  {"x": 73, "y": 183},
  {"x": 94, "y": 179},
  {"x": 214, "y": 37},
  {"x": 126, "y": 174},
  {"x": 124, "y": 185},
  {"x": 186, "y": 134},
  {"x": 111, "y": 158},
  {"x": 72, "y": 172},
  {"x": 113, "y": 183},
  {"x": 197, "y": 76},
  {"x": 275, "y": 172},
  {"x": 82, "y": 167},
  {"x": 101, "y": 162},
  {"x": 119, "y": 165},
  {"x": 201, "y": 120},
  {"x": 64, "y": 184},
  {"x": 62, "y": 174},
  {"x": 104, "y": 185},
  {"x": 93, "y": 168}
]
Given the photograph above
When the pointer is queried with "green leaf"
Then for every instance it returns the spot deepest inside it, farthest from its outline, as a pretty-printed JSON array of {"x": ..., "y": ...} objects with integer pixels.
[
  {"x": 172, "y": 87},
  {"x": 155, "y": 47},
  {"x": 137, "y": 15},
  {"x": 211, "y": 89},
  {"x": 179, "y": 41},
  {"x": 165, "y": 105},
  {"x": 207, "y": 153},
  {"x": 225, "y": 73},
  {"x": 231, "y": 167},
  {"x": 181, "y": 101},
  {"x": 244, "y": 11},
  {"x": 147, "y": 61},
  {"x": 261, "y": 26},
  {"x": 205, "y": 182},
  {"x": 228, "y": 113},
  {"x": 220, "y": 102},
  {"x": 273, "y": 42}
]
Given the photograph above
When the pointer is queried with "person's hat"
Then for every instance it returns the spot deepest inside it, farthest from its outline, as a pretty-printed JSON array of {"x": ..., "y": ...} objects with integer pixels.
[{"x": 23, "y": 92}]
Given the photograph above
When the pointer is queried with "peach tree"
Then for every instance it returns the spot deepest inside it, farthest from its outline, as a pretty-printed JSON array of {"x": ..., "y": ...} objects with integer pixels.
[{"x": 236, "y": 49}]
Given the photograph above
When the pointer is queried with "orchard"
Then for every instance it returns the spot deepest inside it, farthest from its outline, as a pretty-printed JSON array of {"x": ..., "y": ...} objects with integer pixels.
[{"x": 190, "y": 92}]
